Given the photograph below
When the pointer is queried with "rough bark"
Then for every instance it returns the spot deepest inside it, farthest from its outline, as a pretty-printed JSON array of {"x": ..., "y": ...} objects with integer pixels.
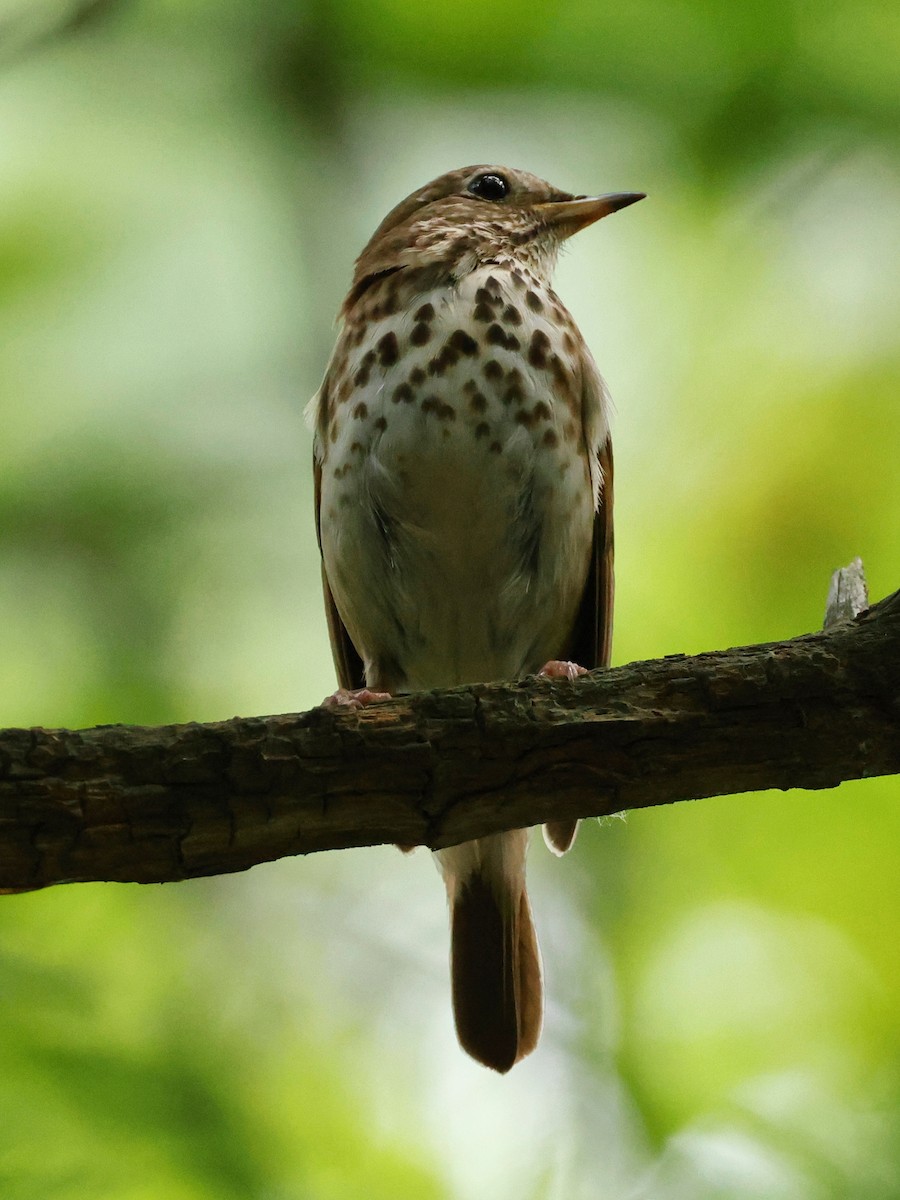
[{"x": 168, "y": 803}]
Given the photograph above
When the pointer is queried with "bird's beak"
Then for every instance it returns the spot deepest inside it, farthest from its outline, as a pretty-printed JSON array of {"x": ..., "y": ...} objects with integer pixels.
[{"x": 571, "y": 215}]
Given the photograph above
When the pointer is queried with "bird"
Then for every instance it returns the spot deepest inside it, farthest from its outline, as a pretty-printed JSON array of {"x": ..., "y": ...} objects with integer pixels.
[{"x": 463, "y": 488}]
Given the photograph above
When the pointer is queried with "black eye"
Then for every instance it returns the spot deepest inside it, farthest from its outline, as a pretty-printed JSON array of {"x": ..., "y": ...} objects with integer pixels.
[{"x": 489, "y": 187}]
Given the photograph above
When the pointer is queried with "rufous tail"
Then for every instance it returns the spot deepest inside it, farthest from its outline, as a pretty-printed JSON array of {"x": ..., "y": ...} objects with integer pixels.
[{"x": 494, "y": 956}]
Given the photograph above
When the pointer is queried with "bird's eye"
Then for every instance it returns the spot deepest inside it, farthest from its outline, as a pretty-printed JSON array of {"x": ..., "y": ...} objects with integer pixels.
[{"x": 489, "y": 187}]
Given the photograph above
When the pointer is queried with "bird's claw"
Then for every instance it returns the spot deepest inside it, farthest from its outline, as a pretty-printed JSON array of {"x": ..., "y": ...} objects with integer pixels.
[
  {"x": 556, "y": 669},
  {"x": 345, "y": 698}
]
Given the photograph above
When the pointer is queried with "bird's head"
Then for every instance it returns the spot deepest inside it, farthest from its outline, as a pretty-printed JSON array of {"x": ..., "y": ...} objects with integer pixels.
[{"x": 479, "y": 215}]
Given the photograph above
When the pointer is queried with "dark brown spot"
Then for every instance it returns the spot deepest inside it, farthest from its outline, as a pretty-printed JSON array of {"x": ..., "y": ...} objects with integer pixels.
[
  {"x": 388, "y": 350},
  {"x": 534, "y": 302},
  {"x": 518, "y": 278},
  {"x": 469, "y": 386},
  {"x": 497, "y": 336},
  {"x": 492, "y": 369},
  {"x": 513, "y": 394},
  {"x": 550, "y": 439},
  {"x": 361, "y": 378},
  {"x": 492, "y": 285},
  {"x": 511, "y": 315},
  {"x": 561, "y": 376},
  {"x": 416, "y": 376},
  {"x": 420, "y": 334},
  {"x": 478, "y": 403},
  {"x": 495, "y": 448},
  {"x": 380, "y": 424},
  {"x": 482, "y": 430},
  {"x": 356, "y": 448},
  {"x": 361, "y": 411},
  {"x": 538, "y": 348},
  {"x": 403, "y": 392},
  {"x": 568, "y": 342},
  {"x": 483, "y": 312},
  {"x": 425, "y": 313},
  {"x": 540, "y": 412},
  {"x": 447, "y": 357},
  {"x": 483, "y": 296},
  {"x": 391, "y": 303},
  {"x": 443, "y": 412},
  {"x": 463, "y": 342}
]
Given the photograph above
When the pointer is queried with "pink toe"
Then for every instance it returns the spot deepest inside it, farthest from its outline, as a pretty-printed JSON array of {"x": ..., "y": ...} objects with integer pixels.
[
  {"x": 555, "y": 669},
  {"x": 344, "y": 698}
]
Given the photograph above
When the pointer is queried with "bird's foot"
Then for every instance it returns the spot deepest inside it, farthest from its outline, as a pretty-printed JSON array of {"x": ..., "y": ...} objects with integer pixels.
[
  {"x": 344, "y": 698},
  {"x": 555, "y": 669}
]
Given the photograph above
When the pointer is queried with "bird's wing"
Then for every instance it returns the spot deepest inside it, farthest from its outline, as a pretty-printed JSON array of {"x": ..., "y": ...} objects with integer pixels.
[
  {"x": 347, "y": 662},
  {"x": 591, "y": 643}
]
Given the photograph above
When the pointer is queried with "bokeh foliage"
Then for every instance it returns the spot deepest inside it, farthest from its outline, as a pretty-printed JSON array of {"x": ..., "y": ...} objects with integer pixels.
[{"x": 183, "y": 185}]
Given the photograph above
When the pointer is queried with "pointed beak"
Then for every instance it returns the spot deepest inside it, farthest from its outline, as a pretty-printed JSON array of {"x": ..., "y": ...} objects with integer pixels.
[{"x": 571, "y": 215}]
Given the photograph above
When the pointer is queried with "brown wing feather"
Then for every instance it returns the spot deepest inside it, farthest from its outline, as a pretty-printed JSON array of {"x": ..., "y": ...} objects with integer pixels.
[
  {"x": 591, "y": 642},
  {"x": 347, "y": 662}
]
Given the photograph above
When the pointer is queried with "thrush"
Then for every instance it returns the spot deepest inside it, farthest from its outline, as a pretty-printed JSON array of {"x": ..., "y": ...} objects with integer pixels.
[{"x": 463, "y": 472}]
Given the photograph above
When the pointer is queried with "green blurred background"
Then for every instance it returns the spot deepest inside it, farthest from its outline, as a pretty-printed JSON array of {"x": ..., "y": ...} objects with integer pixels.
[{"x": 183, "y": 187}]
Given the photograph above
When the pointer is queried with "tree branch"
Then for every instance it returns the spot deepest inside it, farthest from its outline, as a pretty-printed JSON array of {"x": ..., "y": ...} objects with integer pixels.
[{"x": 154, "y": 805}]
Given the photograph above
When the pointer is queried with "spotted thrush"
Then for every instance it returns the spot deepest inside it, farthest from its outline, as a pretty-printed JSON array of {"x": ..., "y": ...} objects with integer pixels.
[{"x": 463, "y": 473}]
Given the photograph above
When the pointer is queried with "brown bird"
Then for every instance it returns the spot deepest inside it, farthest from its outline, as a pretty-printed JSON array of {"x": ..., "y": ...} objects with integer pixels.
[{"x": 463, "y": 474}]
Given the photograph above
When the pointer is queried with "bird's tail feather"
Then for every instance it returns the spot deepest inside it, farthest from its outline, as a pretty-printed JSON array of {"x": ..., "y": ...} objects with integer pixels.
[
  {"x": 559, "y": 835},
  {"x": 495, "y": 961}
]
